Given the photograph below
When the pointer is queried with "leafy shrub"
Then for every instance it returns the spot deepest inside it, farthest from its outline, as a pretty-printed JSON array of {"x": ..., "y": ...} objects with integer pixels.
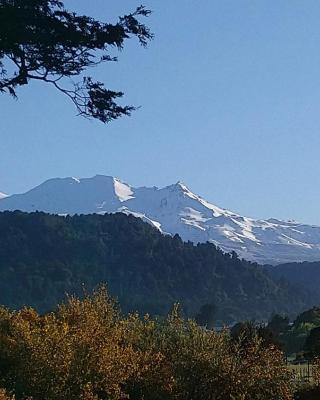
[{"x": 87, "y": 350}]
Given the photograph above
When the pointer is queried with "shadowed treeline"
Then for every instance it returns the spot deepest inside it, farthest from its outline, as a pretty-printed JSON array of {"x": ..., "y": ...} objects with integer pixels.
[{"x": 43, "y": 256}]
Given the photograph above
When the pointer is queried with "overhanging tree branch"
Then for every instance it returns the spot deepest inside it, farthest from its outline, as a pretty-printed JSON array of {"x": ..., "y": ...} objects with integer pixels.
[{"x": 47, "y": 43}]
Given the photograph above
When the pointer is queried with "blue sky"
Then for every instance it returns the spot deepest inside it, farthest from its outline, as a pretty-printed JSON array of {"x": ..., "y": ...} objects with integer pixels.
[{"x": 230, "y": 104}]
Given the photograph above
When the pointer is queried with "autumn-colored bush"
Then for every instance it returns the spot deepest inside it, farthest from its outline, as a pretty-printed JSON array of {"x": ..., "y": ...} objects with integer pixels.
[
  {"x": 5, "y": 396},
  {"x": 208, "y": 365},
  {"x": 87, "y": 351}
]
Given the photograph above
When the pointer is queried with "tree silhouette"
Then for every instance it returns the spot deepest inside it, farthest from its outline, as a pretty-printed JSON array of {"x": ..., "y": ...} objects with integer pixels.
[
  {"x": 312, "y": 344},
  {"x": 41, "y": 40},
  {"x": 206, "y": 315},
  {"x": 278, "y": 324}
]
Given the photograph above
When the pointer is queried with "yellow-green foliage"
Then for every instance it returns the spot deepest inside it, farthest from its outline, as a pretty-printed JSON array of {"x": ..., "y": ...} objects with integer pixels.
[
  {"x": 87, "y": 351},
  {"x": 4, "y": 395},
  {"x": 315, "y": 372}
]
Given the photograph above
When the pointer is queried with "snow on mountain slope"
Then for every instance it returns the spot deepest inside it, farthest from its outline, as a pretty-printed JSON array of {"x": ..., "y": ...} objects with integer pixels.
[
  {"x": 3, "y": 195},
  {"x": 174, "y": 209}
]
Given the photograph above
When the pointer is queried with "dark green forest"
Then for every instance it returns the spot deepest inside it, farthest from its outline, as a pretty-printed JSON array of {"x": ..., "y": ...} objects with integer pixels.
[
  {"x": 305, "y": 274},
  {"x": 43, "y": 257}
]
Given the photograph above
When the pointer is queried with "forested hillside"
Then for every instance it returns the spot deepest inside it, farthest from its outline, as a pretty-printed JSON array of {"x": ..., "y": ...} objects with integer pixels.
[
  {"x": 43, "y": 256},
  {"x": 305, "y": 275}
]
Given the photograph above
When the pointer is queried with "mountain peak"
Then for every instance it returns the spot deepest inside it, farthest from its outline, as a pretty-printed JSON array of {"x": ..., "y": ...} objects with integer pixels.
[
  {"x": 174, "y": 209},
  {"x": 181, "y": 187}
]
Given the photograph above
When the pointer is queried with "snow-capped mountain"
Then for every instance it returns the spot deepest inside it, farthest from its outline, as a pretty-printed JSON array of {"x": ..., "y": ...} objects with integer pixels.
[{"x": 174, "y": 209}]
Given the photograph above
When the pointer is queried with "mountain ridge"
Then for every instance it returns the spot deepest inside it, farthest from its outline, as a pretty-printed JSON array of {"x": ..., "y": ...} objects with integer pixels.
[{"x": 174, "y": 209}]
